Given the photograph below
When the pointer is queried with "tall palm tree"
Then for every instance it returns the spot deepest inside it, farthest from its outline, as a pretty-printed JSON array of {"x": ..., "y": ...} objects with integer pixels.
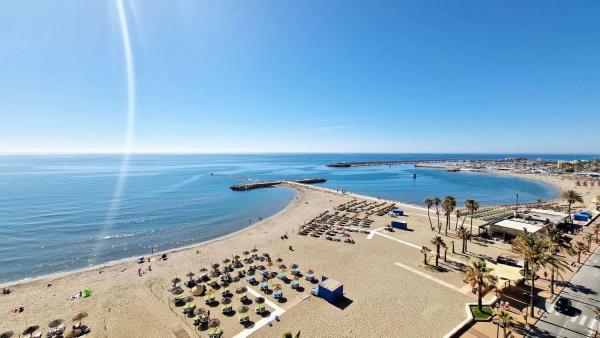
[
  {"x": 504, "y": 320},
  {"x": 448, "y": 207},
  {"x": 580, "y": 247},
  {"x": 425, "y": 250},
  {"x": 479, "y": 276},
  {"x": 429, "y": 204},
  {"x": 471, "y": 206},
  {"x": 457, "y": 218},
  {"x": 436, "y": 202},
  {"x": 439, "y": 243},
  {"x": 558, "y": 242},
  {"x": 589, "y": 237},
  {"x": 596, "y": 231},
  {"x": 463, "y": 234},
  {"x": 536, "y": 250},
  {"x": 572, "y": 197}
]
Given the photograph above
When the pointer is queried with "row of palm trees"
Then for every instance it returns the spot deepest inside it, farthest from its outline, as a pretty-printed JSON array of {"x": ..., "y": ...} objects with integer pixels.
[
  {"x": 539, "y": 252},
  {"x": 448, "y": 205}
]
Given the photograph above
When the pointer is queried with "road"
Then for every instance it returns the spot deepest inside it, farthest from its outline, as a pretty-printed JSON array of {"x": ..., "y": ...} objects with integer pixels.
[{"x": 584, "y": 293}]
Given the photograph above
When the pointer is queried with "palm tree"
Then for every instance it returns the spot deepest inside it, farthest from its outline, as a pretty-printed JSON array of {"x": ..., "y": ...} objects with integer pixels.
[
  {"x": 478, "y": 276},
  {"x": 589, "y": 237},
  {"x": 471, "y": 206},
  {"x": 580, "y": 247},
  {"x": 425, "y": 250},
  {"x": 439, "y": 243},
  {"x": 558, "y": 243},
  {"x": 504, "y": 320},
  {"x": 457, "y": 218},
  {"x": 448, "y": 207},
  {"x": 536, "y": 250},
  {"x": 464, "y": 235},
  {"x": 596, "y": 231},
  {"x": 429, "y": 204},
  {"x": 571, "y": 196},
  {"x": 436, "y": 202}
]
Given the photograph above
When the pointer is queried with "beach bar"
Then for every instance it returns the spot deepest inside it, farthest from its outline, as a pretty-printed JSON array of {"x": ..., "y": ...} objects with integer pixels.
[
  {"x": 398, "y": 212},
  {"x": 330, "y": 290},
  {"x": 399, "y": 225}
]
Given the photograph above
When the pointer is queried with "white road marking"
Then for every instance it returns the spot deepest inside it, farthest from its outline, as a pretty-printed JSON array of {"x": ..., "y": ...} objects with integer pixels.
[
  {"x": 277, "y": 311},
  {"x": 583, "y": 319},
  {"x": 433, "y": 279},
  {"x": 398, "y": 240},
  {"x": 372, "y": 233}
]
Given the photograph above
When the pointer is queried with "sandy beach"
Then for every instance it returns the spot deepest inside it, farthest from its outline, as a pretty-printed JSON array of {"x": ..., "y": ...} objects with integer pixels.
[{"x": 388, "y": 290}]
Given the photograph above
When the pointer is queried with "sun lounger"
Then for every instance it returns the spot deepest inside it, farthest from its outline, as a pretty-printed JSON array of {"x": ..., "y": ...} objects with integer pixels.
[
  {"x": 260, "y": 308},
  {"x": 215, "y": 332},
  {"x": 277, "y": 294},
  {"x": 226, "y": 309},
  {"x": 244, "y": 318},
  {"x": 294, "y": 284}
]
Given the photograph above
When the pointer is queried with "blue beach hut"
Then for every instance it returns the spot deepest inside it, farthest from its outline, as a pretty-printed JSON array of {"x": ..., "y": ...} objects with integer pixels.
[
  {"x": 330, "y": 290},
  {"x": 399, "y": 225}
]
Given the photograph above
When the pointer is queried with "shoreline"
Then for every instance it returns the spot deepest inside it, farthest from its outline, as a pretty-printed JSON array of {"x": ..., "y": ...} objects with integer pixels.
[
  {"x": 116, "y": 262},
  {"x": 286, "y": 185}
]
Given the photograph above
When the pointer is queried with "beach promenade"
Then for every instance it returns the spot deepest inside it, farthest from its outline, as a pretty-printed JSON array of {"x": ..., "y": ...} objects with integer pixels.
[{"x": 388, "y": 291}]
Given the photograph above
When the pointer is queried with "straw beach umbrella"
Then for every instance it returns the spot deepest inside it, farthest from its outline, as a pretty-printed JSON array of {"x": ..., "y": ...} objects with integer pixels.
[
  {"x": 226, "y": 300},
  {"x": 188, "y": 299},
  {"x": 175, "y": 281},
  {"x": 78, "y": 317},
  {"x": 7, "y": 334},
  {"x": 260, "y": 300},
  {"x": 30, "y": 330},
  {"x": 190, "y": 275},
  {"x": 56, "y": 323},
  {"x": 243, "y": 309},
  {"x": 199, "y": 311},
  {"x": 214, "y": 322},
  {"x": 276, "y": 287}
]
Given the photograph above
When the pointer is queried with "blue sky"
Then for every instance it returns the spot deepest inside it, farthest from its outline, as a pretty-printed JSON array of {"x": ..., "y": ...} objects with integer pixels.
[{"x": 302, "y": 76}]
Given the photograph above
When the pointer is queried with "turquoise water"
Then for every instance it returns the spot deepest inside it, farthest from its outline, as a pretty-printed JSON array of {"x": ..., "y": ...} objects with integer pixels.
[{"x": 53, "y": 209}]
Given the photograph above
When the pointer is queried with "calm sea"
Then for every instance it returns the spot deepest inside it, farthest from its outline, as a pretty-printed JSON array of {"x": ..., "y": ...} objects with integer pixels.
[{"x": 61, "y": 213}]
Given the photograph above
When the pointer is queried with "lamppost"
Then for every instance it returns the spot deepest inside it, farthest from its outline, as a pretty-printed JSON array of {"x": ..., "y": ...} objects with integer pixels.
[{"x": 517, "y": 202}]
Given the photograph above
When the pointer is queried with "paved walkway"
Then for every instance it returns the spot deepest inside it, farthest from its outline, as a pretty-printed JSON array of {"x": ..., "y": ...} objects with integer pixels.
[{"x": 464, "y": 290}]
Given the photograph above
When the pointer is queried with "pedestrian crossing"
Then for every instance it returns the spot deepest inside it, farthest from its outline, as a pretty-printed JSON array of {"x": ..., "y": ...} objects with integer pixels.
[{"x": 586, "y": 321}]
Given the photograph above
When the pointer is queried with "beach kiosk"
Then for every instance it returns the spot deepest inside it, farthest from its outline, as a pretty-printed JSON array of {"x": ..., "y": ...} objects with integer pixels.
[
  {"x": 581, "y": 217},
  {"x": 399, "y": 225},
  {"x": 398, "y": 212},
  {"x": 330, "y": 290}
]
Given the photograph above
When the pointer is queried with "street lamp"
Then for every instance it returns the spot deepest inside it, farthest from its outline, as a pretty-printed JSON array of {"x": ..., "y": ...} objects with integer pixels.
[{"x": 517, "y": 202}]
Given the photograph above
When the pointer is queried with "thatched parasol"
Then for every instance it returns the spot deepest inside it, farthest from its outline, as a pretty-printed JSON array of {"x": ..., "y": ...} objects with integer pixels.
[
  {"x": 310, "y": 272},
  {"x": 255, "y": 250},
  {"x": 78, "y": 317},
  {"x": 203, "y": 269},
  {"x": 31, "y": 330},
  {"x": 241, "y": 289},
  {"x": 279, "y": 260},
  {"x": 265, "y": 254},
  {"x": 7, "y": 334},
  {"x": 56, "y": 323},
  {"x": 199, "y": 311},
  {"x": 175, "y": 280},
  {"x": 215, "y": 266},
  {"x": 188, "y": 299},
  {"x": 294, "y": 266},
  {"x": 243, "y": 309},
  {"x": 214, "y": 322},
  {"x": 296, "y": 278},
  {"x": 226, "y": 260},
  {"x": 276, "y": 287},
  {"x": 246, "y": 252},
  {"x": 190, "y": 275},
  {"x": 260, "y": 300},
  {"x": 282, "y": 266},
  {"x": 226, "y": 300}
]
